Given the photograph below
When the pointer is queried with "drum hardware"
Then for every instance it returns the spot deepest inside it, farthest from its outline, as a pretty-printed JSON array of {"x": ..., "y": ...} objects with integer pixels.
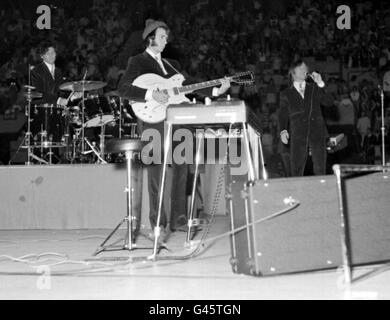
[
  {"x": 26, "y": 142},
  {"x": 111, "y": 100},
  {"x": 94, "y": 150},
  {"x": 82, "y": 85}
]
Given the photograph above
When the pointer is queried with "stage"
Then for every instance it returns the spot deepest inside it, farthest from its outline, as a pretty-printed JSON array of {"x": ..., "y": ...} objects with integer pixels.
[
  {"x": 119, "y": 275},
  {"x": 53, "y": 218}
]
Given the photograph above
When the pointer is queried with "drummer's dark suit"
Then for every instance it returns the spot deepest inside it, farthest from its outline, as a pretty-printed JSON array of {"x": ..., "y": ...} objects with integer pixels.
[
  {"x": 138, "y": 65},
  {"x": 44, "y": 83}
]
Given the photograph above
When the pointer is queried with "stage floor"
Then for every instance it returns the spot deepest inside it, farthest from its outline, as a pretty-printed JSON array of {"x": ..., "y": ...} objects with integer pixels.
[{"x": 74, "y": 273}]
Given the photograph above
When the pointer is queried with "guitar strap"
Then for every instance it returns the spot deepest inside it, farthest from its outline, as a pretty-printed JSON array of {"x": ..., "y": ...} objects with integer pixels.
[{"x": 167, "y": 62}]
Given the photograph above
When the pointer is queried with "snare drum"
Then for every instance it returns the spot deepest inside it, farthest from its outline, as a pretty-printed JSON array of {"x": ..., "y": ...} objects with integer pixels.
[{"x": 98, "y": 112}]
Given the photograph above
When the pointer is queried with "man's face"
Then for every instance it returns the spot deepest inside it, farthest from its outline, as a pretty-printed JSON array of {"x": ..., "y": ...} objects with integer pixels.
[
  {"x": 300, "y": 72},
  {"x": 49, "y": 56},
  {"x": 160, "y": 40}
]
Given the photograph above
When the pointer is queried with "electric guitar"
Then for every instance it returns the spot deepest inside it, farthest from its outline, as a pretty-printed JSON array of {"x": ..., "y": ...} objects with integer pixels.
[{"x": 153, "y": 112}]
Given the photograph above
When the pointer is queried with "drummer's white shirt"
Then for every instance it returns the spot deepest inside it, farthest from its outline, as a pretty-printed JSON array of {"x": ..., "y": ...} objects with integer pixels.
[{"x": 51, "y": 68}]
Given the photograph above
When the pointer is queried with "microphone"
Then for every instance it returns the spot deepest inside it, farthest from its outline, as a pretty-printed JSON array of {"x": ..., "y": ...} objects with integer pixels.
[
  {"x": 310, "y": 75},
  {"x": 85, "y": 74},
  {"x": 29, "y": 74}
]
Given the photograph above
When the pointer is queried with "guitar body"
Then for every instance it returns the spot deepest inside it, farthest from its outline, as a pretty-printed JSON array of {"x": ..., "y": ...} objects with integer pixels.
[
  {"x": 154, "y": 112},
  {"x": 151, "y": 111}
]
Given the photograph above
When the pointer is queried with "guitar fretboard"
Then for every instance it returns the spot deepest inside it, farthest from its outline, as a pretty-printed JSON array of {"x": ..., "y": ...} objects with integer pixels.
[{"x": 198, "y": 86}]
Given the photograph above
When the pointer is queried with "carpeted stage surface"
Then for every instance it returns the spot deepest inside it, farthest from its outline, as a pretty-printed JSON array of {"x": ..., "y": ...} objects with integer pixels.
[{"x": 47, "y": 264}]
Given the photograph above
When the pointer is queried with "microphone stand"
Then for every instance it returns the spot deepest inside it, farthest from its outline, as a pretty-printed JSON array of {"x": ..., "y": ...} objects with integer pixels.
[
  {"x": 28, "y": 134},
  {"x": 383, "y": 127}
]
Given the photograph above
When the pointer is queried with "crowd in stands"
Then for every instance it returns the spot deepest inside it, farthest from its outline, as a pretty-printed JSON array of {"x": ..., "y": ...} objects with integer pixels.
[{"x": 211, "y": 39}]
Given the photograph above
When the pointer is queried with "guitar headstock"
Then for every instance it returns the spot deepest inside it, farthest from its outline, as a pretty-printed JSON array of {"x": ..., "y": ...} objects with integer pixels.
[{"x": 243, "y": 78}]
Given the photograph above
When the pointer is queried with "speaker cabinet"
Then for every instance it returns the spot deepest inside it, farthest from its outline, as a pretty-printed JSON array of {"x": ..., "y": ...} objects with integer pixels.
[{"x": 282, "y": 238}]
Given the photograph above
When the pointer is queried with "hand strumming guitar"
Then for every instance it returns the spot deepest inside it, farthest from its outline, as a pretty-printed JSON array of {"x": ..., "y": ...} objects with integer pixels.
[{"x": 160, "y": 96}]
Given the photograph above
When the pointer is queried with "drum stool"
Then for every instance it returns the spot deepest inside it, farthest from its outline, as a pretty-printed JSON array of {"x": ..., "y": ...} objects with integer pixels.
[{"x": 129, "y": 146}]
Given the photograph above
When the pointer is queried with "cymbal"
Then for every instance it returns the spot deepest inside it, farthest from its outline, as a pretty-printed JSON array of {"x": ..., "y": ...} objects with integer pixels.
[
  {"x": 83, "y": 85},
  {"x": 32, "y": 95},
  {"x": 112, "y": 93},
  {"x": 29, "y": 87}
]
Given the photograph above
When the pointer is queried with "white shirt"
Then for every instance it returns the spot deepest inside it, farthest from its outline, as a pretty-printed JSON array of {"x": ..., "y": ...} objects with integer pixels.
[
  {"x": 158, "y": 58},
  {"x": 51, "y": 68},
  {"x": 298, "y": 84}
]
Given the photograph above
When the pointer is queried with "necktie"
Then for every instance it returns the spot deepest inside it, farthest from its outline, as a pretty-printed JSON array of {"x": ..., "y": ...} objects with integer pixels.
[
  {"x": 161, "y": 64},
  {"x": 302, "y": 89},
  {"x": 52, "y": 70}
]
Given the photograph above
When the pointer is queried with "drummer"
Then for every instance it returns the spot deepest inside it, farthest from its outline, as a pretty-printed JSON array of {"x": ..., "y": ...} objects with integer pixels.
[{"x": 46, "y": 77}]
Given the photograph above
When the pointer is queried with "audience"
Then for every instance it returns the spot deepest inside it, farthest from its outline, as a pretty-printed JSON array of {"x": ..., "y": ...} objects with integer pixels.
[{"x": 210, "y": 39}]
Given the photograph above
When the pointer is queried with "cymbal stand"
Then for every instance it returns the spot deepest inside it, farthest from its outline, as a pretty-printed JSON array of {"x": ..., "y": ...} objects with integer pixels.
[
  {"x": 82, "y": 119},
  {"x": 26, "y": 142},
  {"x": 28, "y": 135},
  {"x": 383, "y": 128},
  {"x": 68, "y": 153},
  {"x": 102, "y": 133},
  {"x": 120, "y": 118},
  {"x": 120, "y": 114}
]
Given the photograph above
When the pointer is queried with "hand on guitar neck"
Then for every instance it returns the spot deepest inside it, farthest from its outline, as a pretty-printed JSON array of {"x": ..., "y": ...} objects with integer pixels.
[
  {"x": 160, "y": 96},
  {"x": 225, "y": 85}
]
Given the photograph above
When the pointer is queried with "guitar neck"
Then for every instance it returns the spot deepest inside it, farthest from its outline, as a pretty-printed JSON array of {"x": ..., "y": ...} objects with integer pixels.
[{"x": 199, "y": 86}]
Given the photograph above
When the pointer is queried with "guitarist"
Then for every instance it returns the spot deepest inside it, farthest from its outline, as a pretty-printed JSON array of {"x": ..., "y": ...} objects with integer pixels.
[{"x": 155, "y": 36}]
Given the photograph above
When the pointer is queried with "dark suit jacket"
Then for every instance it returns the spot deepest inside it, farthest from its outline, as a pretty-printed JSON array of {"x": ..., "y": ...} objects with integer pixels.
[
  {"x": 304, "y": 121},
  {"x": 144, "y": 63},
  {"x": 44, "y": 83}
]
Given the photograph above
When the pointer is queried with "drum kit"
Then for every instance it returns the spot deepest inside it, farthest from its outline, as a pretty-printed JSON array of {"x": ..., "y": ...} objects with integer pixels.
[{"x": 75, "y": 133}]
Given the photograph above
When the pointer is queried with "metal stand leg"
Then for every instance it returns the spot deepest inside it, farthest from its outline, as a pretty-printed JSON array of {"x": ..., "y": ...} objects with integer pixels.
[
  {"x": 93, "y": 149},
  {"x": 129, "y": 217},
  {"x": 129, "y": 241},
  {"x": 192, "y": 223},
  {"x": 167, "y": 146},
  {"x": 251, "y": 170},
  {"x": 345, "y": 237},
  {"x": 264, "y": 171},
  {"x": 383, "y": 129}
]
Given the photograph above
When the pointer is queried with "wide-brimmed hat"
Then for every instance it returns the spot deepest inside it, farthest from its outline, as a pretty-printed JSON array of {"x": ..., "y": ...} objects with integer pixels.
[{"x": 151, "y": 25}]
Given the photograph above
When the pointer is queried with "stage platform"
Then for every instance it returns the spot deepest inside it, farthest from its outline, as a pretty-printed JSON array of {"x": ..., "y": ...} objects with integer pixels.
[
  {"x": 76, "y": 274},
  {"x": 53, "y": 218},
  {"x": 82, "y": 196}
]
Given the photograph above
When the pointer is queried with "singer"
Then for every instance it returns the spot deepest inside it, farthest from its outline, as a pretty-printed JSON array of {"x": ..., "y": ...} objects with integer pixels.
[{"x": 302, "y": 125}]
